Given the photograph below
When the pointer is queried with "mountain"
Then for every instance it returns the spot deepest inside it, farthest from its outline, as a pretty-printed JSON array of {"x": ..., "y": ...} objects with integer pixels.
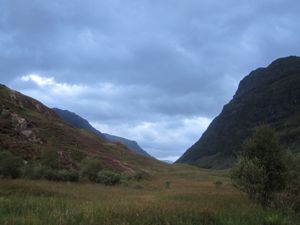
[
  {"x": 268, "y": 95},
  {"x": 81, "y": 123},
  {"x": 28, "y": 129},
  {"x": 77, "y": 121},
  {"x": 130, "y": 144}
]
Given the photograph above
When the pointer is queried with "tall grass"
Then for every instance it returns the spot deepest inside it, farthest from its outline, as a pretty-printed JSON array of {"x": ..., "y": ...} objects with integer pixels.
[{"x": 190, "y": 200}]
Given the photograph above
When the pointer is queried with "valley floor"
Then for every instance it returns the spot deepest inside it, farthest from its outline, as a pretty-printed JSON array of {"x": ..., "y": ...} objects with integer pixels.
[{"x": 182, "y": 195}]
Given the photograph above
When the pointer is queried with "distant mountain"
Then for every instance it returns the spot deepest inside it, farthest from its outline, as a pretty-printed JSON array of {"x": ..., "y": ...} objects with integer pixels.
[
  {"x": 77, "y": 121},
  {"x": 168, "y": 161},
  {"x": 81, "y": 123},
  {"x": 266, "y": 96},
  {"x": 28, "y": 129},
  {"x": 132, "y": 145}
]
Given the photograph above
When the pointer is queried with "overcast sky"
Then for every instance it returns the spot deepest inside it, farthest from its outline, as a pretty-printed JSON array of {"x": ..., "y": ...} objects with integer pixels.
[{"x": 156, "y": 71}]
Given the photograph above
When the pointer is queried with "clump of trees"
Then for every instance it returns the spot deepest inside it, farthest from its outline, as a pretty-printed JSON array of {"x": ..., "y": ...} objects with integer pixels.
[{"x": 266, "y": 173}]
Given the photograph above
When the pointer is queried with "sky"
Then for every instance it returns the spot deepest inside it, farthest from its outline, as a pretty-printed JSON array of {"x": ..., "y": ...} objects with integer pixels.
[{"x": 156, "y": 71}]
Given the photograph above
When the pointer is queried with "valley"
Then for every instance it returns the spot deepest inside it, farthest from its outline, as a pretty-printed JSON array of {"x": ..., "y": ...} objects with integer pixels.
[{"x": 180, "y": 195}]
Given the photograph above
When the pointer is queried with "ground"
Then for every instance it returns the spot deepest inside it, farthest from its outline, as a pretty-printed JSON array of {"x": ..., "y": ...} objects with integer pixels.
[{"x": 181, "y": 195}]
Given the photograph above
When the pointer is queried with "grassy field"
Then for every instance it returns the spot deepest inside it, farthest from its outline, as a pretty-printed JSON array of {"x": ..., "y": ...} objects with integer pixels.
[{"x": 182, "y": 195}]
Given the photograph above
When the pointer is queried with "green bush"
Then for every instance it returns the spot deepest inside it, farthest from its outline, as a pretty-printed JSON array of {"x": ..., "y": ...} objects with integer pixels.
[
  {"x": 37, "y": 172},
  {"x": 68, "y": 175},
  {"x": 108, "y": 177},
  {"x": 89, "y": 169},
  {"x": 290, "y": 198},
  {"x": 10, "y": 165},
  {"x": 140, "y": 175},
  {"x": 260, "y": 171},
  {"x": 168, "y": 184},
  {"x": 33, "y": 172},
  {"x": 50, "y": 159},
  {"x": 218, "y": 183},
  {"x": 138, "y": 187}
]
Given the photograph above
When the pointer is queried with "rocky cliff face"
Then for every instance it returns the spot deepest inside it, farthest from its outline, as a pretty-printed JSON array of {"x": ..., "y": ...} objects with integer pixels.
[{"x": 266, "y": 96}]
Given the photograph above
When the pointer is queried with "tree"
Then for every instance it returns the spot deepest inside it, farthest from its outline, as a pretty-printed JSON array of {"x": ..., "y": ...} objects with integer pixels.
[{"x": 260, "y": 169}]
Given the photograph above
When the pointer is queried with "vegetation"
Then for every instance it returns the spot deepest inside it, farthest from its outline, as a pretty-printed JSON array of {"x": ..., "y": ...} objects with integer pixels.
[
  {"x": 10, "y": 165},
  {"x": 263, "y": 173},
  {"x": 90, "y": 168},
  {"x": 192, "y": 200},
  {"x": 266, "y": 96},
  {"x": 108, "y": 177}
]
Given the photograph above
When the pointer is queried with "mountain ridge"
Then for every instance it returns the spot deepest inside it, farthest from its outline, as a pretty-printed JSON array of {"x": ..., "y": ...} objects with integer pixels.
[
  {"x": 28, "y": 128},
  {"x": 79, "y": 122},
  {"x": 268, "y": 95}
]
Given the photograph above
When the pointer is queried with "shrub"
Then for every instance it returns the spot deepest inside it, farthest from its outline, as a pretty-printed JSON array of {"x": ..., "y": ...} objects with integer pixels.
[
  {"x": 140, "y": 175},
  {"x": 34, "y": 172},
  {"x": 108, "y": 177},
  {"x": 138, "y": 187},
  {"x": 10, "y": 165},
  {"x": 218, "y": 183},
  {"x": 67, "y": 175},
  {"x": 89, "y": 169},
  {"x": 260, "y": 170},
  {"x": 290, "y": 198},
  {"x": 168, "y": 184},
  {"x": 50, "y": 159}
]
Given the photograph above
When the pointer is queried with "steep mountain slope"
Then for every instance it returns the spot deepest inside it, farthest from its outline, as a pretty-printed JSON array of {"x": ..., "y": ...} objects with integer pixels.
[
  {"x": 130, "y": 144},
  {"x": 28, "y": 128},
  {"x": 266, "y": 96},
  {"x": 79, "y": 122}
]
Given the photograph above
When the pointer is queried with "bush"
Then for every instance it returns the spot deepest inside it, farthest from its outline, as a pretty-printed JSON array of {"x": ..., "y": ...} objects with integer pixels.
[
  {"x": 10, "y": 165},
  {"x": 218, "y": 183},
  {"x": 34, "y": 172},
  {"x": 138, "y": 187},
  {"x": 108, "y": 177},
  {"x": 260, "y": 171},
  {"x": 67, "y": 175},
  {"x": 140, "y": 175},
  {"x": 37, "y": 172},
  {"x": 168, "y": 184},
  {"x": 50, "y": 159},
  {"x": 290, "y": 198},
  {"x": 89, "y": 169}
]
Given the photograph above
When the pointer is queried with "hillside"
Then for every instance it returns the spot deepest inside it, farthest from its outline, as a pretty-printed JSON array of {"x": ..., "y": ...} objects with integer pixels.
[
  {"x": 28, "y": 129},
  {"x": 266, "y": 96},
  {"x": 77, "y": 121},
  {"x": 130, "y": 144},
  {"x": 81, "y": 123}
]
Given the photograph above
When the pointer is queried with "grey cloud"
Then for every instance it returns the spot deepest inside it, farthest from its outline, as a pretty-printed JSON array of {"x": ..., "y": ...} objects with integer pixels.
[{"x": 168, "y": 58}]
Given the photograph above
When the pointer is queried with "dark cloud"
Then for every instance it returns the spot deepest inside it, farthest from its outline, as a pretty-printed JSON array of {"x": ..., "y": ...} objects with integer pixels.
[{"x": 127, "y": 63}]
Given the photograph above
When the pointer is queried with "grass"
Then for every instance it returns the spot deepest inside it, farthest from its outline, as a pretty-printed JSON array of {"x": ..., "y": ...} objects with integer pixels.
[{"x": 191, "y": 198}]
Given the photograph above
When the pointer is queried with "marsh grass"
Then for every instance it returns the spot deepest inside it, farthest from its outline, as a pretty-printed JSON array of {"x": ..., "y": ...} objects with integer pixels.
[{"x": 192, "y": 200}]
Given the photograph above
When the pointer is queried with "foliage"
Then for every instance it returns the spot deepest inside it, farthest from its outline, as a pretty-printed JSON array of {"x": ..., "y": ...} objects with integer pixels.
[
  {"x": 37, "y": 171},
  {"x": 168, "y": 184},
  {"x": 10, "y": 165},
  {"x": 190, "y": 201},
  {"x": 218, "y": 183},
  {"x": 290, "y": 198},
  {"x": 260, "y": 170},
  {"x": 49, "y": 158},
  {"x": 89, "y": 169},
  {"x": 108, "y": 177}
]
